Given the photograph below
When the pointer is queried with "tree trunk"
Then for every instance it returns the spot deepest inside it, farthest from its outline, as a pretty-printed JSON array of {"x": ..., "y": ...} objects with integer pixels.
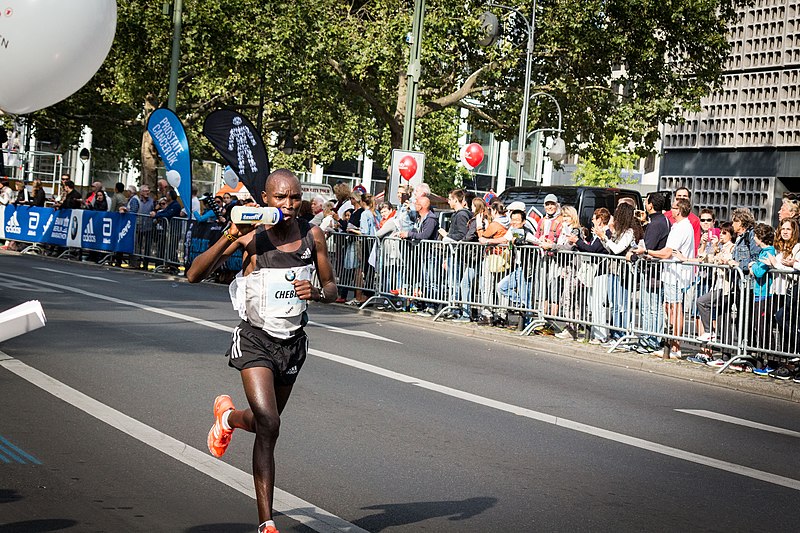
[{"x": 149, "y": 152}]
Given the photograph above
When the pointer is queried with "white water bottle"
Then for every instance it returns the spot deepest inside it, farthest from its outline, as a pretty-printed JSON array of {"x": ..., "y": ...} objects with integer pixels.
[{"x": 242, "y": 214}]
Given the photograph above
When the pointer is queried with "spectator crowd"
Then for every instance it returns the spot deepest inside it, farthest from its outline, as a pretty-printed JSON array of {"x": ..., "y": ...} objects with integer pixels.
[{"x": 668, "y": 274}]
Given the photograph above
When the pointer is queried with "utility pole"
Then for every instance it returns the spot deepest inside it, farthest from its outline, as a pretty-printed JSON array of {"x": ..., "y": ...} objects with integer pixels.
[
  {"x": 177, "y": 7},
  {"x": 412, "y": 74}
]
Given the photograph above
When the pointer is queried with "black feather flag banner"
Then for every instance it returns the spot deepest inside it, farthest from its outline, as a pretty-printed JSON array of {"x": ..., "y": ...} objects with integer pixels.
[{"x": 241, "y": 146}]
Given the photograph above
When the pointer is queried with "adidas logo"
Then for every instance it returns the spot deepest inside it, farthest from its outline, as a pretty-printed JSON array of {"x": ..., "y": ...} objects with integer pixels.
[
  {"x": 292, "y": 371},
  {"x": 306, "y": 254},
  {"x": 13, "y": 225}
]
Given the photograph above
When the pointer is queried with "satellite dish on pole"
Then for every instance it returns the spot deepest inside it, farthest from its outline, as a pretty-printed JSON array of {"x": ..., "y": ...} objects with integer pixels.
[{"x": 490, "y": 29}]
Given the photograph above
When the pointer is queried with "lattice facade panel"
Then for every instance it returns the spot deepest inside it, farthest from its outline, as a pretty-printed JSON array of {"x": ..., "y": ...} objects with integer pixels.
[
  {"x": 724, "y": 194},
  {"x": 758, "y": 103}
]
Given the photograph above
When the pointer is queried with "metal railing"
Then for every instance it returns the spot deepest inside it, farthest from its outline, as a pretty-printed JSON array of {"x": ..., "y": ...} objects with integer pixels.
[{"x": 646, "y": 303}]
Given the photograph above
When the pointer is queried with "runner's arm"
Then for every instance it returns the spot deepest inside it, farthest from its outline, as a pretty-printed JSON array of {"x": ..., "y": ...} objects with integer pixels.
[
  {"x": 218, "y": 253},
  {"x": 304, "y": 289}
]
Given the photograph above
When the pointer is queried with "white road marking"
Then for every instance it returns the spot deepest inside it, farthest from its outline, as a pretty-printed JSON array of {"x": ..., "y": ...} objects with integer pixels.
[
  {"x": 739, "y": 421},
  {"x": 494, "y": 404},
  {"x": 98, "y": 278},
  {"x": 15, "y": 284},
  {"x": 296, "y": 508},
  {"x": 354, "y": 333},
  {"x": 569, "y": 424}
]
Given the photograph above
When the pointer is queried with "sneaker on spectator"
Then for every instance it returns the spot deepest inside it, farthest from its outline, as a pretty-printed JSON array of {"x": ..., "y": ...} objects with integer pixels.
[
  {"x": 675, "y": 354},
  {"x": 462, "y": 320},
  {"x": 699, "y": 359},
  {"x": 796, "y": 378},
  {"x": 644, "y": 349},
  {"x": 781, "y": 373},
  {"x": 738, "y": 368},
  {"x": 425, "y": 312},
  {"x": 340, "y": 300},
  {"x": 762, "y": 372},
  {"x": 565, "y": 334},
  {"x": 716, "y": 363},
  {"x": 706, "y": 337}
]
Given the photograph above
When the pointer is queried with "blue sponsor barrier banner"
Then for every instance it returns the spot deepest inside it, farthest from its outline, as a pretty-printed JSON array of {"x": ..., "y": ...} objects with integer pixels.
[{"x": 92, "y": 230}]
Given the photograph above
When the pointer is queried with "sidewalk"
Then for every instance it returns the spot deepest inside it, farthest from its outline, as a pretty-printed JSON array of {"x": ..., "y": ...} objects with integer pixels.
[{"x": 680, "y": 369}]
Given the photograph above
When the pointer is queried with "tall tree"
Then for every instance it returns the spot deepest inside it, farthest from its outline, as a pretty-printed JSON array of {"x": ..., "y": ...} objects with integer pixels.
[{"x": 331, "y": 75}]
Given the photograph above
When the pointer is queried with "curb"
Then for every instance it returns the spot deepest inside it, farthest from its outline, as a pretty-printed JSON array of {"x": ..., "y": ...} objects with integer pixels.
[{"x": 684, "y": 370}]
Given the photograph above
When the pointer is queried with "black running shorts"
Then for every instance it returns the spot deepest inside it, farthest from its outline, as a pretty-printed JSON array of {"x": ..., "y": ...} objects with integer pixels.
[{"x": 251, "y": 347}]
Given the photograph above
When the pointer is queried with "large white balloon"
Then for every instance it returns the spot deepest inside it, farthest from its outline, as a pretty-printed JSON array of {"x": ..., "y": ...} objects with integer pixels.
[{"x": 50, "y": 48}]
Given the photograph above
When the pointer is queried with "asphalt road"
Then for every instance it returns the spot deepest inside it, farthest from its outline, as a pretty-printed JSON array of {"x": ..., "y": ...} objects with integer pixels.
[{"x": 391, "y": 427}]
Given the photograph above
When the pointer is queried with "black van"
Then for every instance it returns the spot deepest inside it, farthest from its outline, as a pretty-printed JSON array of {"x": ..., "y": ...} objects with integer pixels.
[{"x": 584, "y": 199}]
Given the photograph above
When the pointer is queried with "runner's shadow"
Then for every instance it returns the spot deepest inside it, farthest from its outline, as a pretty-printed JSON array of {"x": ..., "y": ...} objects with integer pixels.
[
  {"x": 221, "y": 528},
  {"x": 9, "y": 495},
  {"x": 409, "y": 513},
  {"x": 38, "y": 526}
]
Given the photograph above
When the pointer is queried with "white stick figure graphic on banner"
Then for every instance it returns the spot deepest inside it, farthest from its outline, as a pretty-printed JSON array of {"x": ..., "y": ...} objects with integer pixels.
[
  {"x": 239, "y": 136},
  {"x": 239, "y": 143}
]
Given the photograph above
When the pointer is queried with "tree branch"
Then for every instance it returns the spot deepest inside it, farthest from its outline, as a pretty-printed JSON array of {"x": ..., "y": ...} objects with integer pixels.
[
  {"x": 482, "y": 114},
  {"x": 371, "y": 99},
  {"x": 456, "y": 96}
]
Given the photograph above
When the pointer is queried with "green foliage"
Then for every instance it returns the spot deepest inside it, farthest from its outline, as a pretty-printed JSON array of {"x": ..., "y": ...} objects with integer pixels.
[
  {"x": 610, "y": 173},
  {"x": 332, "y": 73}
]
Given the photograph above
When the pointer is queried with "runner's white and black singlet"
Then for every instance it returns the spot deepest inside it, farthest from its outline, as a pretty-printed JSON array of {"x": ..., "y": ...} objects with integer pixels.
[
  {"x": 266, "y": 297},
  {"x": 271, "y": 332}
]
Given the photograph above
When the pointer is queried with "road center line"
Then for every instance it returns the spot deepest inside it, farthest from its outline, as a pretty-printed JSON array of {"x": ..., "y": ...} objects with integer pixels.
[
  {"x": 739, "y": 421},
  {"x": 494, "y": 404},
  {"x": 287, "y": 504}
]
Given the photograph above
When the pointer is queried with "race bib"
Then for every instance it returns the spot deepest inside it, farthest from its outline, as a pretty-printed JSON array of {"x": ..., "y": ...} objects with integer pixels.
[{"x": 270, "y": 292}]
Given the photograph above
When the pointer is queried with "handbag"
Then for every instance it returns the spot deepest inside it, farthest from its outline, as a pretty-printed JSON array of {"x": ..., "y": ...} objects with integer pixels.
[{"x": 498, "y": 260}]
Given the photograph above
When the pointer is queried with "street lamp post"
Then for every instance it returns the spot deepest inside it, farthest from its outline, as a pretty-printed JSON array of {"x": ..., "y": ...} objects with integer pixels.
[
  {"x": 558, "y": 151},
  {"x": 523, "y": 116}
]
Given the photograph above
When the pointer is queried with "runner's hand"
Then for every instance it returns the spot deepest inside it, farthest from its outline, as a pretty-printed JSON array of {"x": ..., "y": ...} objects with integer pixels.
[{"x": 304, "y": 289}]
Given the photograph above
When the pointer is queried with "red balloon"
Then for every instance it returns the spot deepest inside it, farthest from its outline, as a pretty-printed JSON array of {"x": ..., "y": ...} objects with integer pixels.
[
  {"x": 473, "y": 155},
  {"x": 407, "y": 167}
]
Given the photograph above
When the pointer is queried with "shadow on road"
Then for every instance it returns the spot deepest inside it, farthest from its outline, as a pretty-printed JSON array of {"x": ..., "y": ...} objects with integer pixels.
[
  {"x": 409, "y": 513},
  {"x": 9, "y": 496},
  {"x": 221, "y": 528},
  {"x": 38, "y": 526}
]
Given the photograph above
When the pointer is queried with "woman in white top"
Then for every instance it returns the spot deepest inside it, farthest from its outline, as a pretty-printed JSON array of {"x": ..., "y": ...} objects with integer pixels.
[
  {"x": 785, "y": 286},
  {"x": 627, "y": 232}
]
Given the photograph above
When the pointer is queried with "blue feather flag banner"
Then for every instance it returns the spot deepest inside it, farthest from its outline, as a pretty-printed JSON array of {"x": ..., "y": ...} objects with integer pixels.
[{"x": 169, "y": 137}]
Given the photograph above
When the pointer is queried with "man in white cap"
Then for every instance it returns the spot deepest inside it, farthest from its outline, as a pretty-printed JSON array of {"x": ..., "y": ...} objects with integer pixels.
[{"x": 530, "y": 223}]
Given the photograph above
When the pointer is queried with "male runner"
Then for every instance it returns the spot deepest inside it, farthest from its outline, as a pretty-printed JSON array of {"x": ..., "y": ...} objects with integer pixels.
[{"x": 269, "y": 345}]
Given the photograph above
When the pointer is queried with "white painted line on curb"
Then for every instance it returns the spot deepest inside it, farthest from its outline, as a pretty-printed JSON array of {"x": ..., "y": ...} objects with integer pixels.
[
  {"x": 287, "y": 504},
  {"x": 739, "y": 421}
]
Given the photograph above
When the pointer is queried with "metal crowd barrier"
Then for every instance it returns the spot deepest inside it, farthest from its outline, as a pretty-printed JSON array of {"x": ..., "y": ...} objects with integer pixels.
[
  {"x": 161, "y": 241},
  {"x": 646, "y": 302}
]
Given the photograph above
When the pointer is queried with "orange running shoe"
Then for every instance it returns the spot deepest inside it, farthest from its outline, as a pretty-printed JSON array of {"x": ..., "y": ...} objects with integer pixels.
[
  {"x": 218, "y": 436},
  {"x": 268, "y": 529}
]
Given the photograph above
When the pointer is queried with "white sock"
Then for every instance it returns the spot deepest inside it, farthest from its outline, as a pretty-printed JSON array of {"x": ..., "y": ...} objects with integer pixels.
[
  {"x": 265, "y": 524},
  {"x": 225, "y": 416}
]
